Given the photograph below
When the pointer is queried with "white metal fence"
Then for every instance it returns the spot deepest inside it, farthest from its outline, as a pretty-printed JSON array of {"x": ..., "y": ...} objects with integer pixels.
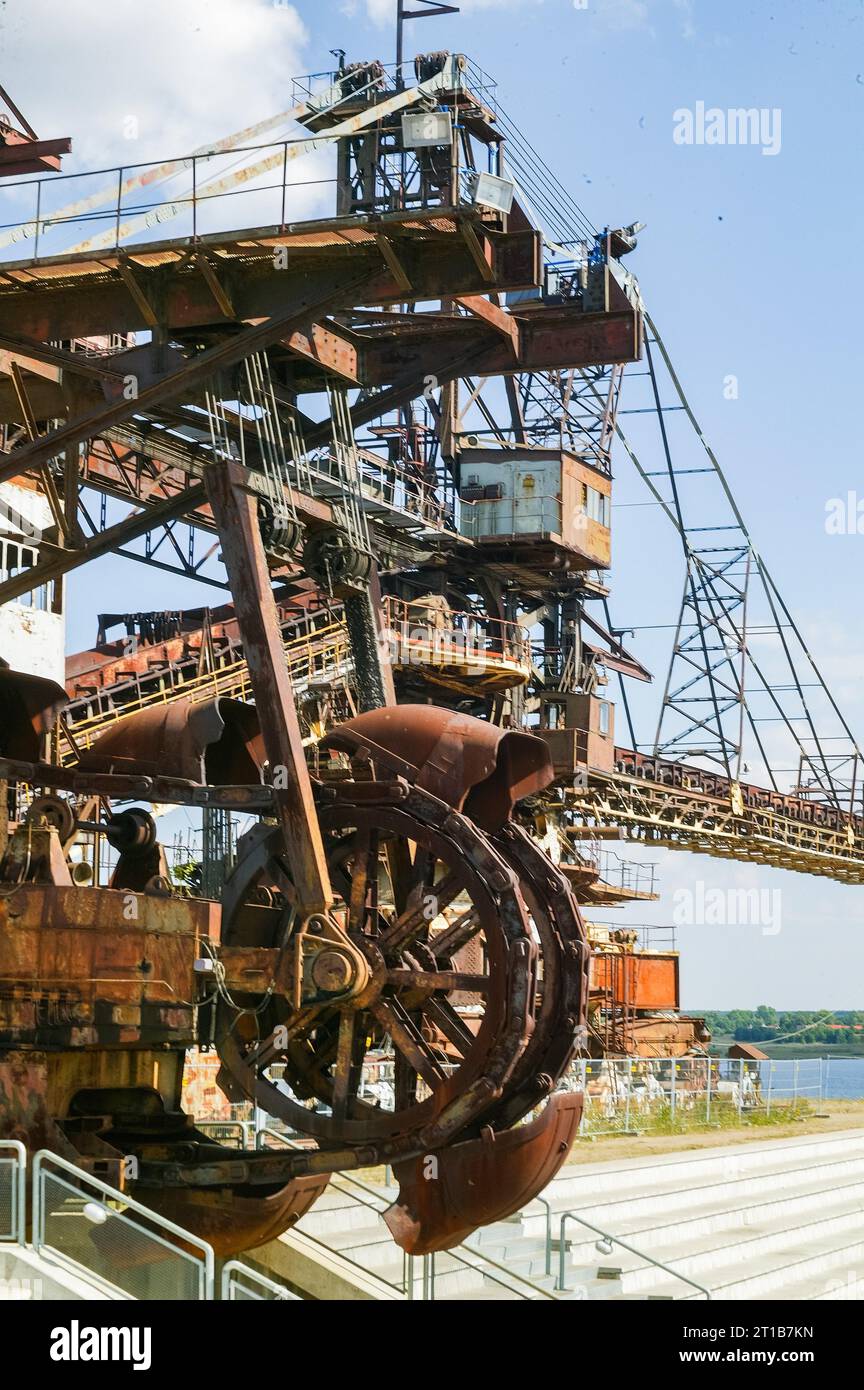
[
  {"x": 631, "y": 1094},
  {"x": 634, "y": 1093},
  {"x": 241, "y": 1284}
]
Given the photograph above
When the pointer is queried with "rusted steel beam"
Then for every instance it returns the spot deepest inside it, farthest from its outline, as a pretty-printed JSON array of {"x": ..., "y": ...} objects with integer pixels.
[
  {"x": 391, "y": 256},
  {"x": 496, "y": 318},
  {"x": 217, "y": 289},
  {"x": 236, "y": 512},
  {"x": 20, "y": 155},
  {"x": 481, "y": 252},
  {"x": 326, "y": 347},
  {"x": 127, "y": 786},
  {"x": 81, "y": 305},
  {"x": 137, "y": 475},
  {"x": 199, "y": 370},
  {"x": 583, "y": 340},
  {"x": 547, "y": 339},
  {"x": 139, "y": 298},
  {"x": 406, "y": 386},
  {"x": 31, "y": 354}
]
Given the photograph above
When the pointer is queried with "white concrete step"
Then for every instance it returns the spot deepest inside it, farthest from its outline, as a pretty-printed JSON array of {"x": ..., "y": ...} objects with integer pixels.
[
  {"x": 708, "y": 1259},
  {"x": 712, "y": 1222},
  {"x": 601, "y": 1182},
  {"x": 750, "y": 1221},
  {"x": 26, "y": 1276},
  {"x": 628, "y": 1212},
  {"x": 818, "y": 1270},
  {"x": 790, "y": 1212}
]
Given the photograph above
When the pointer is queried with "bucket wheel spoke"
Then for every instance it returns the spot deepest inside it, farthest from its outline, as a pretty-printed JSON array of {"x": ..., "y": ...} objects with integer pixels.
[{"x": 428, "y": 1045}]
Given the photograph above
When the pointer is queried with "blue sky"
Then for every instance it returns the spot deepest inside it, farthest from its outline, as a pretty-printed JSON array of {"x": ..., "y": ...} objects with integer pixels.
[{"x": 749, "y": 264}]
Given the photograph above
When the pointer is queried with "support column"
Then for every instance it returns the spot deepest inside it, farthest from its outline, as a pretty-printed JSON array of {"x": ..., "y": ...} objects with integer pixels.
[{"x": 236, "y": 514}]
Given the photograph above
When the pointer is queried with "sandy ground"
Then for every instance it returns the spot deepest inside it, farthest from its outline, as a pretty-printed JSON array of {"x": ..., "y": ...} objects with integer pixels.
[{"x": 828, "y": 1115}]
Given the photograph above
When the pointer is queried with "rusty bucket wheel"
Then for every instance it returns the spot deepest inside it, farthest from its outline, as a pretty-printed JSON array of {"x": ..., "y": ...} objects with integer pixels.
[
  {"x": 414, "y": 882},
  {"x": 562, "y": 994}
]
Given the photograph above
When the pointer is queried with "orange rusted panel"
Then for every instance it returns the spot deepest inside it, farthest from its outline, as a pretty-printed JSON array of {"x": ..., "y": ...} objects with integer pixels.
[
  {"x": 89, "y": 967},
  {"x": 640, "y": 981}
]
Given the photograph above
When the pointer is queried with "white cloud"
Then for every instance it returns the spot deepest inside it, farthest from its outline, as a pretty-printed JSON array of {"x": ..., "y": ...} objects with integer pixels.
[{"x": 188, "y": 71}]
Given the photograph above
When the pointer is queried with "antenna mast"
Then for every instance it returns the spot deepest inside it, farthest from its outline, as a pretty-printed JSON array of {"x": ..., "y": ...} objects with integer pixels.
[{"x": 431, "y": 8}]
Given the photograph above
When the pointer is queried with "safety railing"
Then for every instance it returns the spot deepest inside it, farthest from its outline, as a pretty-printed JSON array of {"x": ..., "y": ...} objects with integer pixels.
[
  {"x": 644, "y": 1094},
  {"x": 421, "y": 635},
  {"x": 607, "y": 1241},
  {"x": 120, "y": 1244},
  {"x": 89, "y": 1228},
  {"x": 240, "y": 1284},
  {"x": 659, "y": 938},
  {"x": 102, "y": 209},
  {"x": 485, "y": 518},
  {"x": 630, "y": 875},
  {"x": 325, "y": 90},
  {"x": 226, "y": 187},
  {"x": 13, "y": 1191},
  {"x": 463, "y": 1256},
  {"x": 382, "y": 484},
  {"x": 239, "y": 1133},
  {"x": 312, "y": 646}
]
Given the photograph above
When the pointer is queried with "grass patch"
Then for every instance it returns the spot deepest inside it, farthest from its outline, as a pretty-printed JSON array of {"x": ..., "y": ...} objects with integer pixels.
[{"x": 661, "y": 1119}]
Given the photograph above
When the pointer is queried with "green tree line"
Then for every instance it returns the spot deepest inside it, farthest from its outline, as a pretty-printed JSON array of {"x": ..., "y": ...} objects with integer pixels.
[{"x": 766, "y": 1023}]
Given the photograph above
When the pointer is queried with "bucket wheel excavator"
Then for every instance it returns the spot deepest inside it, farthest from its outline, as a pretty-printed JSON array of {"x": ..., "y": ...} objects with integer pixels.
[{"x": 388, "y": 907}]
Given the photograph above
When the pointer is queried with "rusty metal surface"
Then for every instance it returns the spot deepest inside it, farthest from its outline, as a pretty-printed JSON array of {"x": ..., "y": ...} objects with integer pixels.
[
  {"x": 231, "y": 1220},
  {"x": 445, "y": 1196},
  {"x": 236, "y": 513},
  {"x": 474, "y": 766},
  {"x": 91, "y": 967},
  {"x": 408, "y": 980},
  {"x": 133, "y": 786},
  {"x": 29, "y": 706},
  {"x": 211, "y": 741},
  {"x": 561, "y": 1007}
]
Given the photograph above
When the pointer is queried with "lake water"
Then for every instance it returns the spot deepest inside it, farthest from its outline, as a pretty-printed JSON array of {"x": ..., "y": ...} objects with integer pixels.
[{"x": 837, "y": 1078}]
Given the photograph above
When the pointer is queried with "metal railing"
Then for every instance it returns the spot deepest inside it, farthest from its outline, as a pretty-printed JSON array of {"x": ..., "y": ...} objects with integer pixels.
[
  {"x": 464, "y": 1256},
  {"x": 325, "y": 87},
  {"x": 86, "y": 1226},
  {"x": 420, "y": 635},
  {"x": 313, "y": 644},
  {"x": 120, "y": 1244},
  {"x": 630, "y": 875},
  {"x": 240, "y": 1284},
  {"x": 485, "y": 517},
  {"x": 110, "y": 208},
  {"x": 13, "y": 1191},
  {"x": 627, "y": 1094},
  {"x": 382, "y": 484},
  {"x": 308, "y": 653},
  {"x": 611, "y": 1241}
]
